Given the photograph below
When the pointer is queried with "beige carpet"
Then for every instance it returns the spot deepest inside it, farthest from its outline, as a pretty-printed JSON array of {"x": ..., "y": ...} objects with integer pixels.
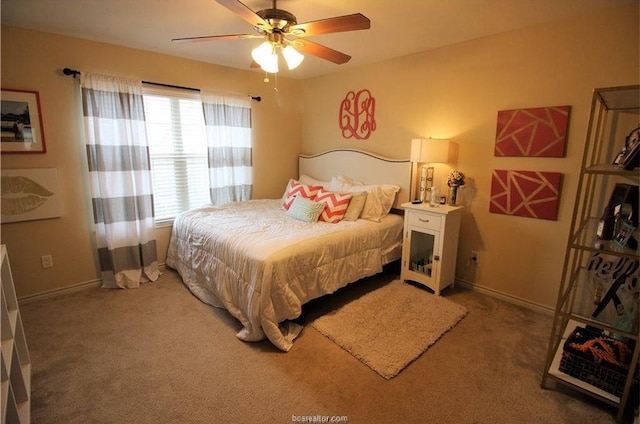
[
  {"x": 157, "y": 355},
  {"x": 390, "y": 327}
]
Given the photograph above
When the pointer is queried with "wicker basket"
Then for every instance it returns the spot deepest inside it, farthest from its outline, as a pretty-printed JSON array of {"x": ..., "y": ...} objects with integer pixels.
[{"x": 597, "y": 359}]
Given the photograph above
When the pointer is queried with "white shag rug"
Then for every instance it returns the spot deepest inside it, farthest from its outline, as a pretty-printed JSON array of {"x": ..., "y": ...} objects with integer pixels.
[{"x": 390, "y": 327}]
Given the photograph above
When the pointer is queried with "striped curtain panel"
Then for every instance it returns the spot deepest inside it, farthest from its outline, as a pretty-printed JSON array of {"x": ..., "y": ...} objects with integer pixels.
[
  {"x": 120, "y": 178},
  {"x": 228, "y": 123}
]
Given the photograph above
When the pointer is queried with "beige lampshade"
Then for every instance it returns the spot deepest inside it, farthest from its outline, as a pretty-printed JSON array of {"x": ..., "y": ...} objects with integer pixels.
[
  {"x": 429, "y": 150},
  {"x": 416, "y": 151}
]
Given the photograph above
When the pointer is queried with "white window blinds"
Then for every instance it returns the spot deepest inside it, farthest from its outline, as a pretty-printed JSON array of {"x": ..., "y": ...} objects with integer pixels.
[{"x": 178, "y": 150}]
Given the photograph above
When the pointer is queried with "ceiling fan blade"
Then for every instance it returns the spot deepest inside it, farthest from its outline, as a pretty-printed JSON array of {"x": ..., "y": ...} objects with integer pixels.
[
  {"x": 245, "y": 13},
  {"x": 354, "y": 22},
  {"x": 215, "y": 38},
  {"x": 321, "y": 51}
]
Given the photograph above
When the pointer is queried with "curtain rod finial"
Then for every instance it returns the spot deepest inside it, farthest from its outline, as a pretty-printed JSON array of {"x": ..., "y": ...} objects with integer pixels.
[{"x": 69, "y": 71}]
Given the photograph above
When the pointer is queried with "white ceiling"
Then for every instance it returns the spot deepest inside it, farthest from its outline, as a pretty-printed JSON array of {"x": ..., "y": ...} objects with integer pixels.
[{"x": 398, "y": 27}]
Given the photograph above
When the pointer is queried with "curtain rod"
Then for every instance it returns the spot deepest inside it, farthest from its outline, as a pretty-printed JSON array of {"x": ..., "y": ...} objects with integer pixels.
[{"x": 74, "y": 74}]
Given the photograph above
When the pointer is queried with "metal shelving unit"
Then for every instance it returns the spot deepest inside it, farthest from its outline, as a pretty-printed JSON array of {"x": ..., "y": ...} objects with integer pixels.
[{"x": 614, "y": 112}]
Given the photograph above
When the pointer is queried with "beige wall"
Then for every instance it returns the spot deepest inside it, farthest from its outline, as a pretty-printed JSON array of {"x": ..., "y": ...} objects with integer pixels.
[
  {"x": 455, "y": 92},
  {"x": 33, "y": 61}
]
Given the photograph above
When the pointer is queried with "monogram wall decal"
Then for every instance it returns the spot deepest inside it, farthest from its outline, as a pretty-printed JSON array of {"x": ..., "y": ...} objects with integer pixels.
[{"x": 357, "y": 115}]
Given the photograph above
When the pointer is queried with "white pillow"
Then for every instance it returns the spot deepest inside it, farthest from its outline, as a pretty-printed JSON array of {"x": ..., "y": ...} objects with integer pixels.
[
  {"x": 388, "y": 197},
  {"x": 343, "y": 183},
  {"x": 305, "y": 179},
  {"x": 348, "y": 180},
  {"x": 305, "y": 209},
  {"x": 379, "y": 201}
]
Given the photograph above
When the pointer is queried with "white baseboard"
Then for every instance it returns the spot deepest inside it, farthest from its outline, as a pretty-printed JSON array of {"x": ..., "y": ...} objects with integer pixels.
[
  {"x": 59, "y": 292},
  {"x": 538, "y": 307},
  {"x": 67, "y": 289},
  {"x": 466, "y": 284}
]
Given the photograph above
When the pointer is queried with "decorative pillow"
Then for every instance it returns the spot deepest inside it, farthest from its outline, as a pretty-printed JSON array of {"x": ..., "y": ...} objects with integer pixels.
[
  {"x": 305, "y": 209},
  {"x": 286, "y": 190},
  {"x": 297, "y": 189},
  {"x": 355, "y": 206},
  {"x": 336, "y": 205},
  {"x": 305, "y": 179}
]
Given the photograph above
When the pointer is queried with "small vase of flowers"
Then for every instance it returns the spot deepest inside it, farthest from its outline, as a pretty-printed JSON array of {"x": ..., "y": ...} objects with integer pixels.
[{"x": 455, "y": 180}]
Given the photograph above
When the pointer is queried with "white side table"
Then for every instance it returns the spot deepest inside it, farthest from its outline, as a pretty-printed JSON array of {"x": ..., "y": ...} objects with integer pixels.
[{"x": 430, "y": 244}]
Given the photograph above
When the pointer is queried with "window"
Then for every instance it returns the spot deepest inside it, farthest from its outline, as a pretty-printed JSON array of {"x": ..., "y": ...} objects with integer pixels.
[{"x": 178, "y": 150}]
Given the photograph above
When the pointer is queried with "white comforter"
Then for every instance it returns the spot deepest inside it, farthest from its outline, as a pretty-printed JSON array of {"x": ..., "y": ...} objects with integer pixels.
[{"x": 262, "y": 266}]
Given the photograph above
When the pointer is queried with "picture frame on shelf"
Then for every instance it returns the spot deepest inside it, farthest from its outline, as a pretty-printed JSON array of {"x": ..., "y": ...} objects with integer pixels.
[
  {"x": 629, "y": 157},
  {"x": 625, "y": 193},
  {"x": 21, "y": 128},
  {"x": 632, "y": 158},
  {"x": 622, "y": 236}
]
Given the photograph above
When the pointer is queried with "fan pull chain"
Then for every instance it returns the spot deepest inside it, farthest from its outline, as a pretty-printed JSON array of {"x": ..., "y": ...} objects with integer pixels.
[{"x": 266, "y": 79}]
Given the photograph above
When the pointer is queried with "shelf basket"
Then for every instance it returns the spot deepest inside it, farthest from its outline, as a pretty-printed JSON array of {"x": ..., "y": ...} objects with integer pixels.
[{"x": 597, "y": 359}]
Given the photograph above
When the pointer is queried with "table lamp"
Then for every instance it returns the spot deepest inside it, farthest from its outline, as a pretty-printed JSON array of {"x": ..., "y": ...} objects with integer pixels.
[{"x": 427, "y": 150}]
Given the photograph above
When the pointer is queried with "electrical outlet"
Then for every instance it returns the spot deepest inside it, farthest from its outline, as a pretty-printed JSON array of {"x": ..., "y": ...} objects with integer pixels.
[
  {"x": 474, "y": 256},
  {"x": 47, "y": 261}
]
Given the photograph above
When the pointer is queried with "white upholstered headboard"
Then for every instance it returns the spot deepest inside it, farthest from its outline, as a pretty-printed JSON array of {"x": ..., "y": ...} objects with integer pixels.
[{"x": 360, "y": 165}]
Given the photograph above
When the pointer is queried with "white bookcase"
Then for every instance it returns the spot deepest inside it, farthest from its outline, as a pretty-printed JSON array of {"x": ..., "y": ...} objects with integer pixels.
[{"x": 16, "y": 365}]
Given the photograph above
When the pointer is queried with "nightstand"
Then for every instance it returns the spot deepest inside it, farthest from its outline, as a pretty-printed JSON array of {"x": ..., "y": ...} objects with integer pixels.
[{"x": 430, "y": 244}]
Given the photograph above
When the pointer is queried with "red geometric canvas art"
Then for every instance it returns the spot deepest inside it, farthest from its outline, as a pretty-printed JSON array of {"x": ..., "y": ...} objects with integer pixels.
[
  {"x": 525, "y": 193},
  {"x": 540, "y": 132}
]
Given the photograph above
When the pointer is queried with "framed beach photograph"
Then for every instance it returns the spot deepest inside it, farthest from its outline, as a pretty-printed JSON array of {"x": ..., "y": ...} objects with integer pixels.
[{"x": 21, "y": 128}]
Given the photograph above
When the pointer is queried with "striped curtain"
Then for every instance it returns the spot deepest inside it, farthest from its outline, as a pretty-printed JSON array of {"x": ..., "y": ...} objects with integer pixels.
[
  {"x": 228, "y": 123},
  {"x": 120, "y": 178}
]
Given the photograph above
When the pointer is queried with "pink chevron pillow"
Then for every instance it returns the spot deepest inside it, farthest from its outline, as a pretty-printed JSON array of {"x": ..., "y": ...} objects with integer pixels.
[
  {"x": 298, "y": 189},
  {"x": 336, "y": 205}
]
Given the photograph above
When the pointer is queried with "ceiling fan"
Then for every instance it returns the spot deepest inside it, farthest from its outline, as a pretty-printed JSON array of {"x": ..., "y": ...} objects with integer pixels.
[{"x": 283, "y": 34}]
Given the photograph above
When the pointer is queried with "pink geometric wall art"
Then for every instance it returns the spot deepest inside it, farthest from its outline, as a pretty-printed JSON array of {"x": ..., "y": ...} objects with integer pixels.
[
  {"x": 525, "y": 193},
  {"x": 537, "y": 132}
]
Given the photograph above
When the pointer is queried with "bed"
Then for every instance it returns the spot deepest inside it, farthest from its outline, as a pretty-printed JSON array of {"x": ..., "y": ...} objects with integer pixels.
[{"x": 261, "y": 262}]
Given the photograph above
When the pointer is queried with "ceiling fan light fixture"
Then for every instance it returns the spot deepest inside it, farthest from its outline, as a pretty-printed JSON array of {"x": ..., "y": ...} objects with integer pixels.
[
  {"x": 277, "y": 26},
  {"x": 261, "y": 53},
  {"x": 292, "y": 57},
  {"x": 280, "y": 29},
  {"x": 266, "y": 56},
  {"x": 270, "y": 65}
]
